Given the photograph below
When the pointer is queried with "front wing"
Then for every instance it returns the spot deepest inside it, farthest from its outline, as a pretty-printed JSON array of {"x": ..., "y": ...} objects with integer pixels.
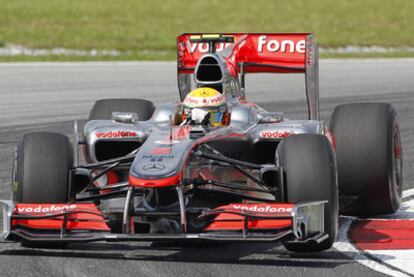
[{"x": 302, "y": 222}]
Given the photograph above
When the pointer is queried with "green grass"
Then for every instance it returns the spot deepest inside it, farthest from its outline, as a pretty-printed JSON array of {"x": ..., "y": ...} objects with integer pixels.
[{"x": 148, "y": 28}]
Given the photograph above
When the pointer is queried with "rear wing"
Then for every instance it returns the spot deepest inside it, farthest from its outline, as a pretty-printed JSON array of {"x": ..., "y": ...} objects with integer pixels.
[{"x": 258, "y": 53}]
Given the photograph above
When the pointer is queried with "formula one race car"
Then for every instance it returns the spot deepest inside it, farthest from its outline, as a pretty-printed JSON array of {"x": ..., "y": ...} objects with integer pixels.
[{"x": 213, "y": 166}]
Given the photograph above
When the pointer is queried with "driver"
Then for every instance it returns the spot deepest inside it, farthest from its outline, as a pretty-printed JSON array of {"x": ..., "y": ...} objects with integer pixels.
[{"x": 205, "y": 106}]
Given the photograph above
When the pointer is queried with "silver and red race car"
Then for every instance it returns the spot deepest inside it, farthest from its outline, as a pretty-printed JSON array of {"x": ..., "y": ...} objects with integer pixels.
[{"x": 182, "y": 171}]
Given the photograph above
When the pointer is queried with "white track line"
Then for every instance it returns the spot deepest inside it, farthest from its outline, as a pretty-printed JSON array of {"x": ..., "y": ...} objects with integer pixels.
[
  {"x": 344, "y": 245},
  {"x": 408, "y": 193}
]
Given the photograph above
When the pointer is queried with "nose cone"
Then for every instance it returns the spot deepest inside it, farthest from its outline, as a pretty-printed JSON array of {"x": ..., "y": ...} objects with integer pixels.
[{"x": 161, "y": 158}]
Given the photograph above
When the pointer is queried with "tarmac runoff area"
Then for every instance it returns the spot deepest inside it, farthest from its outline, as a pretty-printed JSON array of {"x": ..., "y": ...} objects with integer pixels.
[{"x": 384, "y": 243}]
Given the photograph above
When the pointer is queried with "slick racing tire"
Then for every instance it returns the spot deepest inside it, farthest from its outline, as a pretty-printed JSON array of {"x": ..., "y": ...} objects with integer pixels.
[
  {"x": 42, "y": 167},
  {"x": 102, "y": 109},
  {"x": 309, "y": 167},
  {"x": 369, "y": 156}
]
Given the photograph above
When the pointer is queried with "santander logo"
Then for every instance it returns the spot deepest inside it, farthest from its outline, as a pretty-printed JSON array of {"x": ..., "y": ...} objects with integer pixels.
[
  {"x": 45, "y": 209},
  {"x": 262, "y": 208},
  {"x": 116, "y": 134}
]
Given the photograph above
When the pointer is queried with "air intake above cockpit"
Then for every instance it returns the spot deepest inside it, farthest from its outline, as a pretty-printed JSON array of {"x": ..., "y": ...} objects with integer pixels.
[{"x": 209, "y": 71}]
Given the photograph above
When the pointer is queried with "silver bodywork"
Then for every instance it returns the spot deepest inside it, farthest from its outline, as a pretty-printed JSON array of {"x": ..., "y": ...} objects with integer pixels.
[
  {"x": 249, "y": 124},
  {"x": 245, "y": 119}
]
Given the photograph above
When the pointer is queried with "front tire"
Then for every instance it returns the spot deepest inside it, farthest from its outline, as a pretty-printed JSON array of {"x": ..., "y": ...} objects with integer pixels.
[
  {"x": 43, "y": 164},
  {"x": 369, "y": 155},
  {"x": 310, "y": 175}
]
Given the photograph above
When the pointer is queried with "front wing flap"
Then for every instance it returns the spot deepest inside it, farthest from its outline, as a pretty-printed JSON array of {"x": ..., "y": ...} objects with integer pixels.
[{"x": 234, "y": 222}]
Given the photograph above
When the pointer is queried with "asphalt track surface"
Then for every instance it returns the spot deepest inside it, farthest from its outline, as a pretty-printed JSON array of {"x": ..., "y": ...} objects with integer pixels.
[{"x": 49, "y": 96}]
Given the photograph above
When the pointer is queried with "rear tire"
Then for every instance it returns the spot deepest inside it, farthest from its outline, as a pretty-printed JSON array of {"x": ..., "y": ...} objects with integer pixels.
[
  {"x": 102, "y": 109},
  {"x": 42, "y": 167},
  {"x": 369, "y": 155},
  {"x": 310, "y": 175}
]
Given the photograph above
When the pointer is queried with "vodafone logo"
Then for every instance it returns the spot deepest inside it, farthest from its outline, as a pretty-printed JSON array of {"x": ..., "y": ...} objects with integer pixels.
[
  {"x": 191, "y": 101},
  {"x": 45, "y": 209},
  {"x": 203, "y": 102},
  {"x": 264, "y": 209},
  {"x": 285, "y": 46},
  {"x": 275, "y": 134},
  {"x": 203, "y": 47},
  {"x": 116, "y": 134},
  {"x": 263, "y": 44},
  {"x": 218, "y": 99}
]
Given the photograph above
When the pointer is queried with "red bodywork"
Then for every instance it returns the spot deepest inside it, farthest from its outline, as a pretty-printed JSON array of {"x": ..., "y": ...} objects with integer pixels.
[
  {"x": 230, "y": 219},
  {"x": 273, "y": 53},
  {"x": 155, "y": 183},
  {"x": 79, "y": 217},
  {"x": 87, "y": 217}
]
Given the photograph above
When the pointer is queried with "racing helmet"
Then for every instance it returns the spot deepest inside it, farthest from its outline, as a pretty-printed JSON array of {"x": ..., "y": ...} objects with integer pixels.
[{"x": 209, "y": 100}]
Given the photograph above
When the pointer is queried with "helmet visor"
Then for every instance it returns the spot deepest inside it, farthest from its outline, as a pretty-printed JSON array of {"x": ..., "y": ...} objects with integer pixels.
[{"x": 216, "y": 118}]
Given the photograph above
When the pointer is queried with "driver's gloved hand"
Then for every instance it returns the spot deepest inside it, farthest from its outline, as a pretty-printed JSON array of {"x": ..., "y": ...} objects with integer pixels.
[{"x": 200, "y": 116}]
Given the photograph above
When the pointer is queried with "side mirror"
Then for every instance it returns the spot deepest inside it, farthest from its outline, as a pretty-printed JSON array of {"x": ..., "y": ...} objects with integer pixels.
[{"x": 125, "y": 117}]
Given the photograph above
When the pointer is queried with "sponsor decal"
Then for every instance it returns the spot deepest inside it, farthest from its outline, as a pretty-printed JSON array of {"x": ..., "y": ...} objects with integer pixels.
[
  {"x": 204, "y": 92},
  {"x": 153, "y": 167},
  {"x": 276, "y": 134},
  {"x": 263, "y": 43},
  {"x": 286, "y": 45},
  {"x": 191, "y": 101},
  {"x": 161, "y": 150},
  {"x": 196, "y": 101},
  {"x": 218, "y": 99},
  {"x": 45, "y": 209},
  {"x": 203, "y": 47},
  {"x": 158, "y": 156},
  {"x": 116, "y": 134},
  {"x": 262, "y": 208}
]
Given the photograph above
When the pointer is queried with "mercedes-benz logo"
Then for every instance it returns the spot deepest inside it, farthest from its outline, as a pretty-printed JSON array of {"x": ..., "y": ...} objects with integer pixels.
[{"x": 153, "y": 167}]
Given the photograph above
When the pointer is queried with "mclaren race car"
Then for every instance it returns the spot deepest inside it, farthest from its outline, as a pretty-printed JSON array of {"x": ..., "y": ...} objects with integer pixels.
[{"x": 212, "y": 166}]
